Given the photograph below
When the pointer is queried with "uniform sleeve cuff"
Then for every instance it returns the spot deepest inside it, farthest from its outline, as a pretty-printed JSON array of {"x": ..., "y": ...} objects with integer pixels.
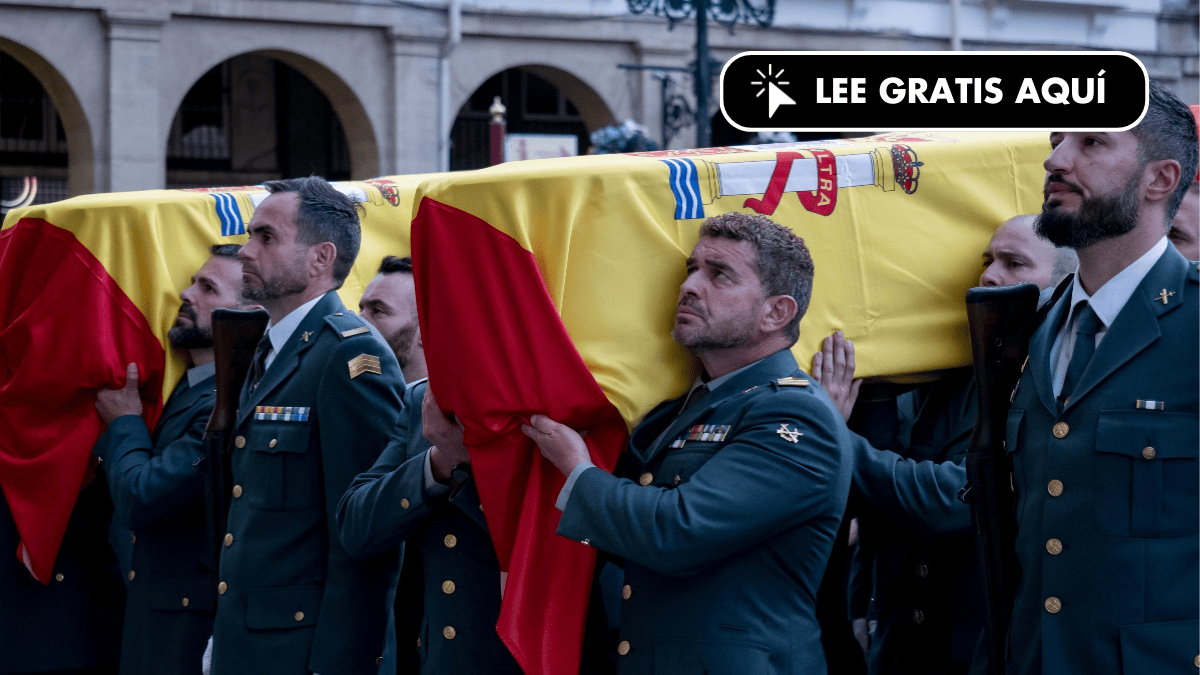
[
  {"x": 565, "y": 493},
  {"x": 432, "y": 487}
]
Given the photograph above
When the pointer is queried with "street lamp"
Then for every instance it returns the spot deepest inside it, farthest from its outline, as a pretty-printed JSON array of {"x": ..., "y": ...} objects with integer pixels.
[{"x": 727, "y": 12}]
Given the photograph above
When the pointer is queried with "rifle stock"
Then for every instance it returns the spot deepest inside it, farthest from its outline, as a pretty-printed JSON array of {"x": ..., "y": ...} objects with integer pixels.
[
  {"x": 1001, "y": 321},
  {"x": 236, "y": 334}
]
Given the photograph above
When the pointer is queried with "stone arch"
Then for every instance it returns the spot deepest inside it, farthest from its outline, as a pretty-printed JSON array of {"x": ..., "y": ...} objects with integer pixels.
[
  {"x": 356, "y": 123},
  {"x": 595, "y": 112},
  {"x": 592, "y": 108},
  {"x": 81, "y": 156},
  {"x": 540, "y": 99}
]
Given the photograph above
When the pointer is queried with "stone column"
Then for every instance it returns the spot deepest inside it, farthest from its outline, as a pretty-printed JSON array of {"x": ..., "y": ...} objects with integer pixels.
[
  {"x": 414, "y": 133},
  {"x": 136, "y": 144}
]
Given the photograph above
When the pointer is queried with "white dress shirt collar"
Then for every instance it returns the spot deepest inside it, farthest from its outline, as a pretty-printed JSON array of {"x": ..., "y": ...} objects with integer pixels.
[{"x": 281, "y": 332}]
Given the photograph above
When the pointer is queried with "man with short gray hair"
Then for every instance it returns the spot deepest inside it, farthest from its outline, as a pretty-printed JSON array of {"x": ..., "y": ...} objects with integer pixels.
[{"x": 732, "y": 494}]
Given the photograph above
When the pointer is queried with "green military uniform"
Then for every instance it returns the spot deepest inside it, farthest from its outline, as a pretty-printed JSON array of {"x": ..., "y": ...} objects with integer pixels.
[
  {"x": 389, "y": 505},
  {"x": 725, "y": 517},
  {"x": 158, "y": 489},
  {"x": 1107, "y": 541},
  {"x": 290, "y": 599},
  {"x": 927, "y": 589}
]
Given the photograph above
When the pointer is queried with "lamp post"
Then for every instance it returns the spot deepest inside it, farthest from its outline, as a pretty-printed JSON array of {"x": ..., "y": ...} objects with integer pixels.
[{"x": 727, "y": 12}]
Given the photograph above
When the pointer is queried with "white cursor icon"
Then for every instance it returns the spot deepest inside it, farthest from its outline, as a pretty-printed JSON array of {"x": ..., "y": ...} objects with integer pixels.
[{"x": 776, "y": 98}]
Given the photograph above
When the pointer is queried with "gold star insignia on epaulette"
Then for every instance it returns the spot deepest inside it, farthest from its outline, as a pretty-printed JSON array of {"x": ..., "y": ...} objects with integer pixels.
[
  {"x": 364, "y": 363},
  {"x": 355, "y": 331},
  {"x": 1164, "y": 295},
  {"x": 306, "y": 335},
  {"x": 792, "y": 382},
  {"x": 791, "y": 435}
]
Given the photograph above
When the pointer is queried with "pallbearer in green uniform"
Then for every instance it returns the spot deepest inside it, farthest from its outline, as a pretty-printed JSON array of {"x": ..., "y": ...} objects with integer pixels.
[
  {"x": 730, "y": 496},
  {"x": 321, "y": 398},
  {"x": 450, "y": 576},
  {"x": 157, "y": 486},
  {"x": 1103, "y": 427}
]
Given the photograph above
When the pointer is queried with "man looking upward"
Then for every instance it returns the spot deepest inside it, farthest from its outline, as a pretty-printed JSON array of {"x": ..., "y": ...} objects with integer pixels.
[{"x": 732, "y": 494}]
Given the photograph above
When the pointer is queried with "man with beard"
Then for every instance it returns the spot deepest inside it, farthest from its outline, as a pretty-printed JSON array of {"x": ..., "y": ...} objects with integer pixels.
[
  {"x": 390, "y": 304},
  {"x": 1102, "y": 432},
  {"x": 157, "y": 486},
  {"x": 919, "y": 561},
  {"x": 732, "y": 494},
  {"x": 321, "y": 398}
]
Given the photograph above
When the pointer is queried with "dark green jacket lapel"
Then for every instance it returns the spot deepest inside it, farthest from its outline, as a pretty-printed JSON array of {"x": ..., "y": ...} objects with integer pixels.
[{"x": 288, "y": 359}]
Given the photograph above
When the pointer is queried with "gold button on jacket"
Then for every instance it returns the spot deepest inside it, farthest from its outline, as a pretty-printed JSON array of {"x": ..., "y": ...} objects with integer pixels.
[
  {"x": 1053, "y": 605},
  {"x": 59, "y": 576},
  {"x": 626, "y": 592},
  {"x": 623, "y": 648},
  {"x": 646, "y": 478},
  {"x": 918, "y": 616},
  {"x": 1054, "y": 546},
  {"x": 922, "y": 571},
  {"x": 185, "y": 602},
  {"x": 449, "y": 632},
  {"x": 131, "y": 575},
  {"x": 237, "y": 491},
  {"x": 299, "y": 616},
  {"x": 1148, "y": 452},
  {"x": 240, "y": 441},
  {"x": 450, "y": 541},
  {"x": 222, "y": 587},
  {"x": 1061, "y": 430},
  {"x": 404, "y": 503},
  {"x": 1054, "y": 487},
  {"x": 229, "y": 539},
  {"x": 448, "y": 587}
]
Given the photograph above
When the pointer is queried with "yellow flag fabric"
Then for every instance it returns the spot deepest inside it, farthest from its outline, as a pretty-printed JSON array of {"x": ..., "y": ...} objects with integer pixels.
[{"x": 896, "y": 225}]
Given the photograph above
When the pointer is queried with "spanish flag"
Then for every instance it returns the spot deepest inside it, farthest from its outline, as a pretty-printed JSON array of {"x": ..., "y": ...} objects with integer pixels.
[{"x": 548, "y": 286}]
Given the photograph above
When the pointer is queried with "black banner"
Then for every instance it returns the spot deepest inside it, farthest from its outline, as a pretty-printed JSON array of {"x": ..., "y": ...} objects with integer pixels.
[{"x": 872, "y": 91}]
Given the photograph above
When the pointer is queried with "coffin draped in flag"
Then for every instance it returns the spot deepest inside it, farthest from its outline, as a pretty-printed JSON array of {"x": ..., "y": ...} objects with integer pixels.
[{"x": 549, "y": 286}]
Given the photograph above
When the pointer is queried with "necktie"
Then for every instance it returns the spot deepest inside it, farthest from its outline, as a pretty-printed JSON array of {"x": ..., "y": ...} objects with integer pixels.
[
  {"x": 259, "y": 364},
  {"x": 1085, "y": 345}
]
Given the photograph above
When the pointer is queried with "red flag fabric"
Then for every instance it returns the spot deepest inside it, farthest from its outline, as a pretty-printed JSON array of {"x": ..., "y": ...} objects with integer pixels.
[
  {"x": 66, "y": 330},
  {"x": 495, "y": 342}
]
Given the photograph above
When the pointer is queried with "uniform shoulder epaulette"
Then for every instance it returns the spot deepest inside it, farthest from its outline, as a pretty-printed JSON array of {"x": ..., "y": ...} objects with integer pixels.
[
  {"x": 792, "y": 382},
  {"x": 347, "y": 324},
  {"x": 1193, "y": 271}
]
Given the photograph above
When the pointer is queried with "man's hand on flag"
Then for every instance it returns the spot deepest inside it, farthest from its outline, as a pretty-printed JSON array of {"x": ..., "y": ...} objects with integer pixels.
[
  {"x": 559, "y": 443},
  {"x": 448, "y": 448},
  {"x": 113, "y": 403}
]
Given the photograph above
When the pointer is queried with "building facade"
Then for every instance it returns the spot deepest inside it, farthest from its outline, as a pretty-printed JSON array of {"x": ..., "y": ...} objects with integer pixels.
[{"x": 111, "y": 95}]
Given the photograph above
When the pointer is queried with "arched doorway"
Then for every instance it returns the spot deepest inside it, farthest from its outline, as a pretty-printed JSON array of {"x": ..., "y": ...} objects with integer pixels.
[
  {"x": 253, "y": 118},
  {"x": 33, "y": 142},
  {"x": 539, "y": 100}
]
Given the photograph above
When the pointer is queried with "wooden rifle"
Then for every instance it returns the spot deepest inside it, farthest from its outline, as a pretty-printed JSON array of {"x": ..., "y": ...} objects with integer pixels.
[{"x": 236, "y": 334}]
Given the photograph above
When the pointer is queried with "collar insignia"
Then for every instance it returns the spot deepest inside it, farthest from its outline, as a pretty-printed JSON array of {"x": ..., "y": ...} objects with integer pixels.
[{"x": 790, "y": 435}]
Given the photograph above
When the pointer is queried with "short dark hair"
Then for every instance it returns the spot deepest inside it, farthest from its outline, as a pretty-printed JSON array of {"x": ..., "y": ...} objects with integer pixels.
[
  {"x": 784, "y": 265},
  {"x": 225, "y": 251},
  {"x": 1168, "y": 131},
  {"x": 393, "y": 265},
  {"x": 324, "y": 215}
]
